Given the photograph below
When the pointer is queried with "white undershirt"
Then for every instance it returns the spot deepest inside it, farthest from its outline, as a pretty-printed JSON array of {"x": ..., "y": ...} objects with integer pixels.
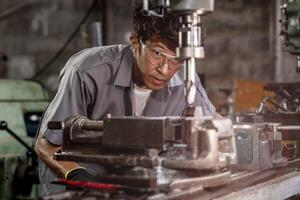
[{"x": 140, "y": 97}]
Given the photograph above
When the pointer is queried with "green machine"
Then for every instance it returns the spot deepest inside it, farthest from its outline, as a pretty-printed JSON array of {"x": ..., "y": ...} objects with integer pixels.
[
  {"x": 22, "y": 103},
  {"x": 291, "y": 27}
]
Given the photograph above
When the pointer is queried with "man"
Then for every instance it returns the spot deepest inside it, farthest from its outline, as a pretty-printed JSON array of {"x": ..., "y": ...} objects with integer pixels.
[{"x": 144, "y": 78}]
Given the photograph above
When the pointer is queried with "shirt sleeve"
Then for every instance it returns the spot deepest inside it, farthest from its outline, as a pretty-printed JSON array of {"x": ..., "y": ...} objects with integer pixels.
[
  {"x": 202, "y": 100},
  {"x": 71, "y": 99}
]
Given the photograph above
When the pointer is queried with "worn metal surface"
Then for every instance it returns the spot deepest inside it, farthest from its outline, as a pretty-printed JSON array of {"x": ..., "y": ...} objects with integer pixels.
[
  {"x": 208, "y": 181},
  {"x": 277, "y": 184},
  {"x": 279, "y": 188},
  {"x": 278, "y": 179}
]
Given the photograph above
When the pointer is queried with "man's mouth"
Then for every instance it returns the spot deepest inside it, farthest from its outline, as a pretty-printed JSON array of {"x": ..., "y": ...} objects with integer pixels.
[{"x": 158, "y": 81}]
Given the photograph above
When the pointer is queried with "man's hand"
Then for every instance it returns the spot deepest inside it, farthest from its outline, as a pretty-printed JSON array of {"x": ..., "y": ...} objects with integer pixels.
[
  {"x": 45, "y": 152},
  {"x": 78, "y": 174}
]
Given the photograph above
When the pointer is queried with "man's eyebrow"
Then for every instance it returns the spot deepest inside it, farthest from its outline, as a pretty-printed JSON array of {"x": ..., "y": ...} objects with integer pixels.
[
  {"x": 161, "y": 46},
  {"x": 158, "y": 46}
]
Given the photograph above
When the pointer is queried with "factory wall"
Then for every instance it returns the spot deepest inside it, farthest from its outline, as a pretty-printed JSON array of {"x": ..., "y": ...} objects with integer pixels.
[
  {"x": 237, "y": 45},
  {"x": 240, "y": 43},
  {"x": 32, "y": 32},
  {"x": 239, "y": 39}
]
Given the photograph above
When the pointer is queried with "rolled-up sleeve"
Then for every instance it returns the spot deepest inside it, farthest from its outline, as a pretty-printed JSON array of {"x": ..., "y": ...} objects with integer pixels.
[{"x": 71, "y": 99}]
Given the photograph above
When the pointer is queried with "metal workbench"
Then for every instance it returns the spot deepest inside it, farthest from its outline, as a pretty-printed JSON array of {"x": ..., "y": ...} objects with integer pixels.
[
  {"x": 278, "y": 188},
  {"x": 275, "y": 184}
]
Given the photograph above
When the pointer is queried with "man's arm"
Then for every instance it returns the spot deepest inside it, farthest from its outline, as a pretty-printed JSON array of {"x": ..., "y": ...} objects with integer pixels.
[
  {"x": 45, "y": 151},
  {"x": 70, "y": 100}
]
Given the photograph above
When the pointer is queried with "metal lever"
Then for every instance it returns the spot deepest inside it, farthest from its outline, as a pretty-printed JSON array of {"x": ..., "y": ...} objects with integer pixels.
[
  {"x": 4, "y": 126},
  {"x": 54, "y": 125},
  {"x": 87, "y": 125}
]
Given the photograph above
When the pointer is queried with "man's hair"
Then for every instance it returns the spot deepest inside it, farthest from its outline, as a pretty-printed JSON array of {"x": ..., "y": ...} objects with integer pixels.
[{"x": 148, "y": 24}]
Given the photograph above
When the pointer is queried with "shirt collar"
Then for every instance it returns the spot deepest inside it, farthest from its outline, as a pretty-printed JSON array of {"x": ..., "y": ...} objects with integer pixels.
[
  {"x": 124, "y": 73},
  {"x": 177, "y": 79}
]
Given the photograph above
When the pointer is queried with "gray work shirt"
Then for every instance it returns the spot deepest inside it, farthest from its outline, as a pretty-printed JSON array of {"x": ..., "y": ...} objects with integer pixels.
[{"x": 98, "y": 81}]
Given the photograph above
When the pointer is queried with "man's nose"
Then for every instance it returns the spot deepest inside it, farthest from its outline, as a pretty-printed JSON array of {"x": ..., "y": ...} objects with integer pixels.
[{"x": 164, "y": 68}]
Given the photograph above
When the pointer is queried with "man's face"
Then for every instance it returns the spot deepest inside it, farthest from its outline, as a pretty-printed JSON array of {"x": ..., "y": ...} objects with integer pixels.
[{"x": 155, "y": 64}]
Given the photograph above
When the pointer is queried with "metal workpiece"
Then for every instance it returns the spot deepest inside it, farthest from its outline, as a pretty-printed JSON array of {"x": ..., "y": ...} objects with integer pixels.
[
  {"x": 210, "y": 144},
  {"x": 283, "y": 119},
  {"x": 227, "y": 143},
  {"x": 259, "y": 146},
  {"x": 179, "y": 150},
  {"x": 247, "y": 142},
  {"x": 211, "y": 160},
  {"x": 187, "y": 143},
  {"x": 285, "y": 126},
  {"x": 289, "y": 122},
  {"x": 223, "y": 125}
]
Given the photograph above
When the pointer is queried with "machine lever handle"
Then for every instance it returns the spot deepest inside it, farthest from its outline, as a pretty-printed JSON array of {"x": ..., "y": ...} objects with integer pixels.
[
  {"x": 54, "y": 125},
  {"x": 4, "y": 127}
]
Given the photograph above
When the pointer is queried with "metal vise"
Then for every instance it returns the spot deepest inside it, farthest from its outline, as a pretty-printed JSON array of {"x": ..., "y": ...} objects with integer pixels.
[
  {"x": 258, "y": 146},
  {"x": 182, "y": 143}
]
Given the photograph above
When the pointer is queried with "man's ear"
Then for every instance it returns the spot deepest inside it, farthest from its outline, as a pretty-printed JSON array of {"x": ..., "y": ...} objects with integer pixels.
[{"x": 134, "y": 43}]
